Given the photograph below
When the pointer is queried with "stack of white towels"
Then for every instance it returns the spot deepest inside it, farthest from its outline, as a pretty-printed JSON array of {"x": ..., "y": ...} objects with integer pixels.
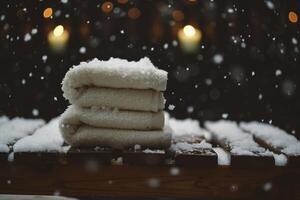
[{"x": 115, "y": 103}]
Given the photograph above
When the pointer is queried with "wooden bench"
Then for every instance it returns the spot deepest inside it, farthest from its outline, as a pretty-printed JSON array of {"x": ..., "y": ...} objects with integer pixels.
[
  {"x": 90, "y": 173},
  {"x": 102, "y": 173}
]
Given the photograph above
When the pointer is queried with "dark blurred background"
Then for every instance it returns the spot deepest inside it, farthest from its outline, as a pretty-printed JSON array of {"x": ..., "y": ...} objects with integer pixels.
[{"x": 243, "y": 64}]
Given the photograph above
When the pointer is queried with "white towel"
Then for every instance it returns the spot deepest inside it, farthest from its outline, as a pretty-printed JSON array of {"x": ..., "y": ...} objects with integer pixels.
[
  {"x": 124, "y": 99},
  {"x": 115, "y": 138},
  {"x": 107, "y": 118},
  {"x": 114, "y": 73}
]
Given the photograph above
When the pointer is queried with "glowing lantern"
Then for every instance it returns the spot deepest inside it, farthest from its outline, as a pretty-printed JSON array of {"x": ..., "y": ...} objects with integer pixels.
[
  {"x": 189, "y": 38},
  {"x": 58, "y": 38}
]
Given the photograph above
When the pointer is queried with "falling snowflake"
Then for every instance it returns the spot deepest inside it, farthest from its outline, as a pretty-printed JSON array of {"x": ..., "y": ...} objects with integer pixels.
[
  {"x": 166, "y": 45},
  {"x": 34, "y": 31},
  {"x": 44, "y": 58},
  {"x": 225, "y": 115},
  {"x": 218, "y": 58},
  {"x": 82, "y": 50},
  {"x": 35, "y": 112},
  {"x": 278, "y": 72},
  {"x": 27, "y": 37},
  {"x": 270, "y": 5},
  {"x": 171, "y": 107}
]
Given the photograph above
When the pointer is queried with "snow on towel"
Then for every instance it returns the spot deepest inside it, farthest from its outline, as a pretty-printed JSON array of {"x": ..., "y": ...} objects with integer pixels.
[
  {"x": 113, "y": 73},
  {"x": 12, "y": 130},
  {"x": 274, "y": 137},
  {"x": 44, "y": 139},
  {"x": 239, "y": 142}
]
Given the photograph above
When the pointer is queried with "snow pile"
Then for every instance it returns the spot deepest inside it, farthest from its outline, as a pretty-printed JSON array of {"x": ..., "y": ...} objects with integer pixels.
[
  {"x": 273, "y": 136},
  {"x": 239, "y": 142},
  {"x": 280, "y": 159},
  {"x": 45, "y": 139},
  {"x": 224, "y": 158},
  {"x": 17, "y": 128},
  {"x": 187, "y": 135},
  {"x": 3, "y": 119},
  {"x": 184, "y": 147},
  {"x": 4, "y": 148},
  {"x": 187, "y": 130}
]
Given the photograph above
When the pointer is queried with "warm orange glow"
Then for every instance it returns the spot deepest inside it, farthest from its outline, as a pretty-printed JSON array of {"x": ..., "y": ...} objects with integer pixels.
[
  {"x": 178, "y": 15},
  {"x": 47, "y": 12},
  {"x": 122, "y": 1},
  {"x": 107, "y": 7},
  {"x": 134, "y": 13},
  {"x": 293, "y": 17}
]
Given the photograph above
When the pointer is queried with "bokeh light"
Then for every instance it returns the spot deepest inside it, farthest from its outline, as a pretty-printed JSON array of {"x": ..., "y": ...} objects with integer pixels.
[
  {"x": 189, "y": 38},
  {"x": 178, "y": 15},
  {"x": 58, "y": 30},
  {"x": 47, "y": 12},
  {"x": 58, "y": 39},
  {"x": 107, "y": 7},
  {"x": 293, "y": 17},
  {"x": 189, "y": 31},
  {"x": 122, "y": 1},
  {"x": 134, "y": 13}
]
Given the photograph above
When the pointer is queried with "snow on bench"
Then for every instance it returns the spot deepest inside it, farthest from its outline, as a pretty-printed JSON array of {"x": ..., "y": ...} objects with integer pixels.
[
  {"x": 16, "y": 128},
  {"x": 231, "y": 137},
  {"x": 44, "y": 139},
  {"x": 274, "y": 137},
  {"x": 189, "y": 142}
]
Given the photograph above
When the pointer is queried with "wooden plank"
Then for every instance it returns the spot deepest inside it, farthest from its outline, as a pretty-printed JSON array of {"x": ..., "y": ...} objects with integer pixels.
[
  {"x": 75, "y": 179},
  {"x": 139, "y": 157},
  {"x": 197, "y": 158},
  {"x": 244, "y": 161},
  {"x": 294, "y": 161},
  {"x": 3, "y": 157},
  {"x": 101, "y": 155}
]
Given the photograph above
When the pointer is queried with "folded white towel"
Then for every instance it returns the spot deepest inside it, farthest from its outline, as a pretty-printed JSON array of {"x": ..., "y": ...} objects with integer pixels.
[
  {"x": 115, "y": 138},
  {"x": 114, "y": 73},
  {"x": 124, "y": 99},
  {"x": 107, "y": 118}
]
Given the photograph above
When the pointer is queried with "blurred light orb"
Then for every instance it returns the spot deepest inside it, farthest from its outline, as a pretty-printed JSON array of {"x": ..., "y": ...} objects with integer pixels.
[
  {"x": 134, "y": 13},
  {"x": 178, "y": 15},
  {"x": 293, "y": 17},
  {"x": 107, "y": 7},
  {"x": 58, "y": 30},
  {"x": 189, "y": 38},
  {"x": 47, "y": 12},
  {"x": 58, "y": 39},
  {"x": 122, "y": 1},
  {"x": 288, "y": 88},
  {"x": 189, "y": 30}
]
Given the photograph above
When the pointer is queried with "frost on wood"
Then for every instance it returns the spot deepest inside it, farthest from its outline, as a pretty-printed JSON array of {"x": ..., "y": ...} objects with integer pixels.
[
  {"x": 274, "y": 137},
  {"x": 12, "y": 130},
  {"x": 44, "y": 139},
  {"x": 238, "y": 142}
]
